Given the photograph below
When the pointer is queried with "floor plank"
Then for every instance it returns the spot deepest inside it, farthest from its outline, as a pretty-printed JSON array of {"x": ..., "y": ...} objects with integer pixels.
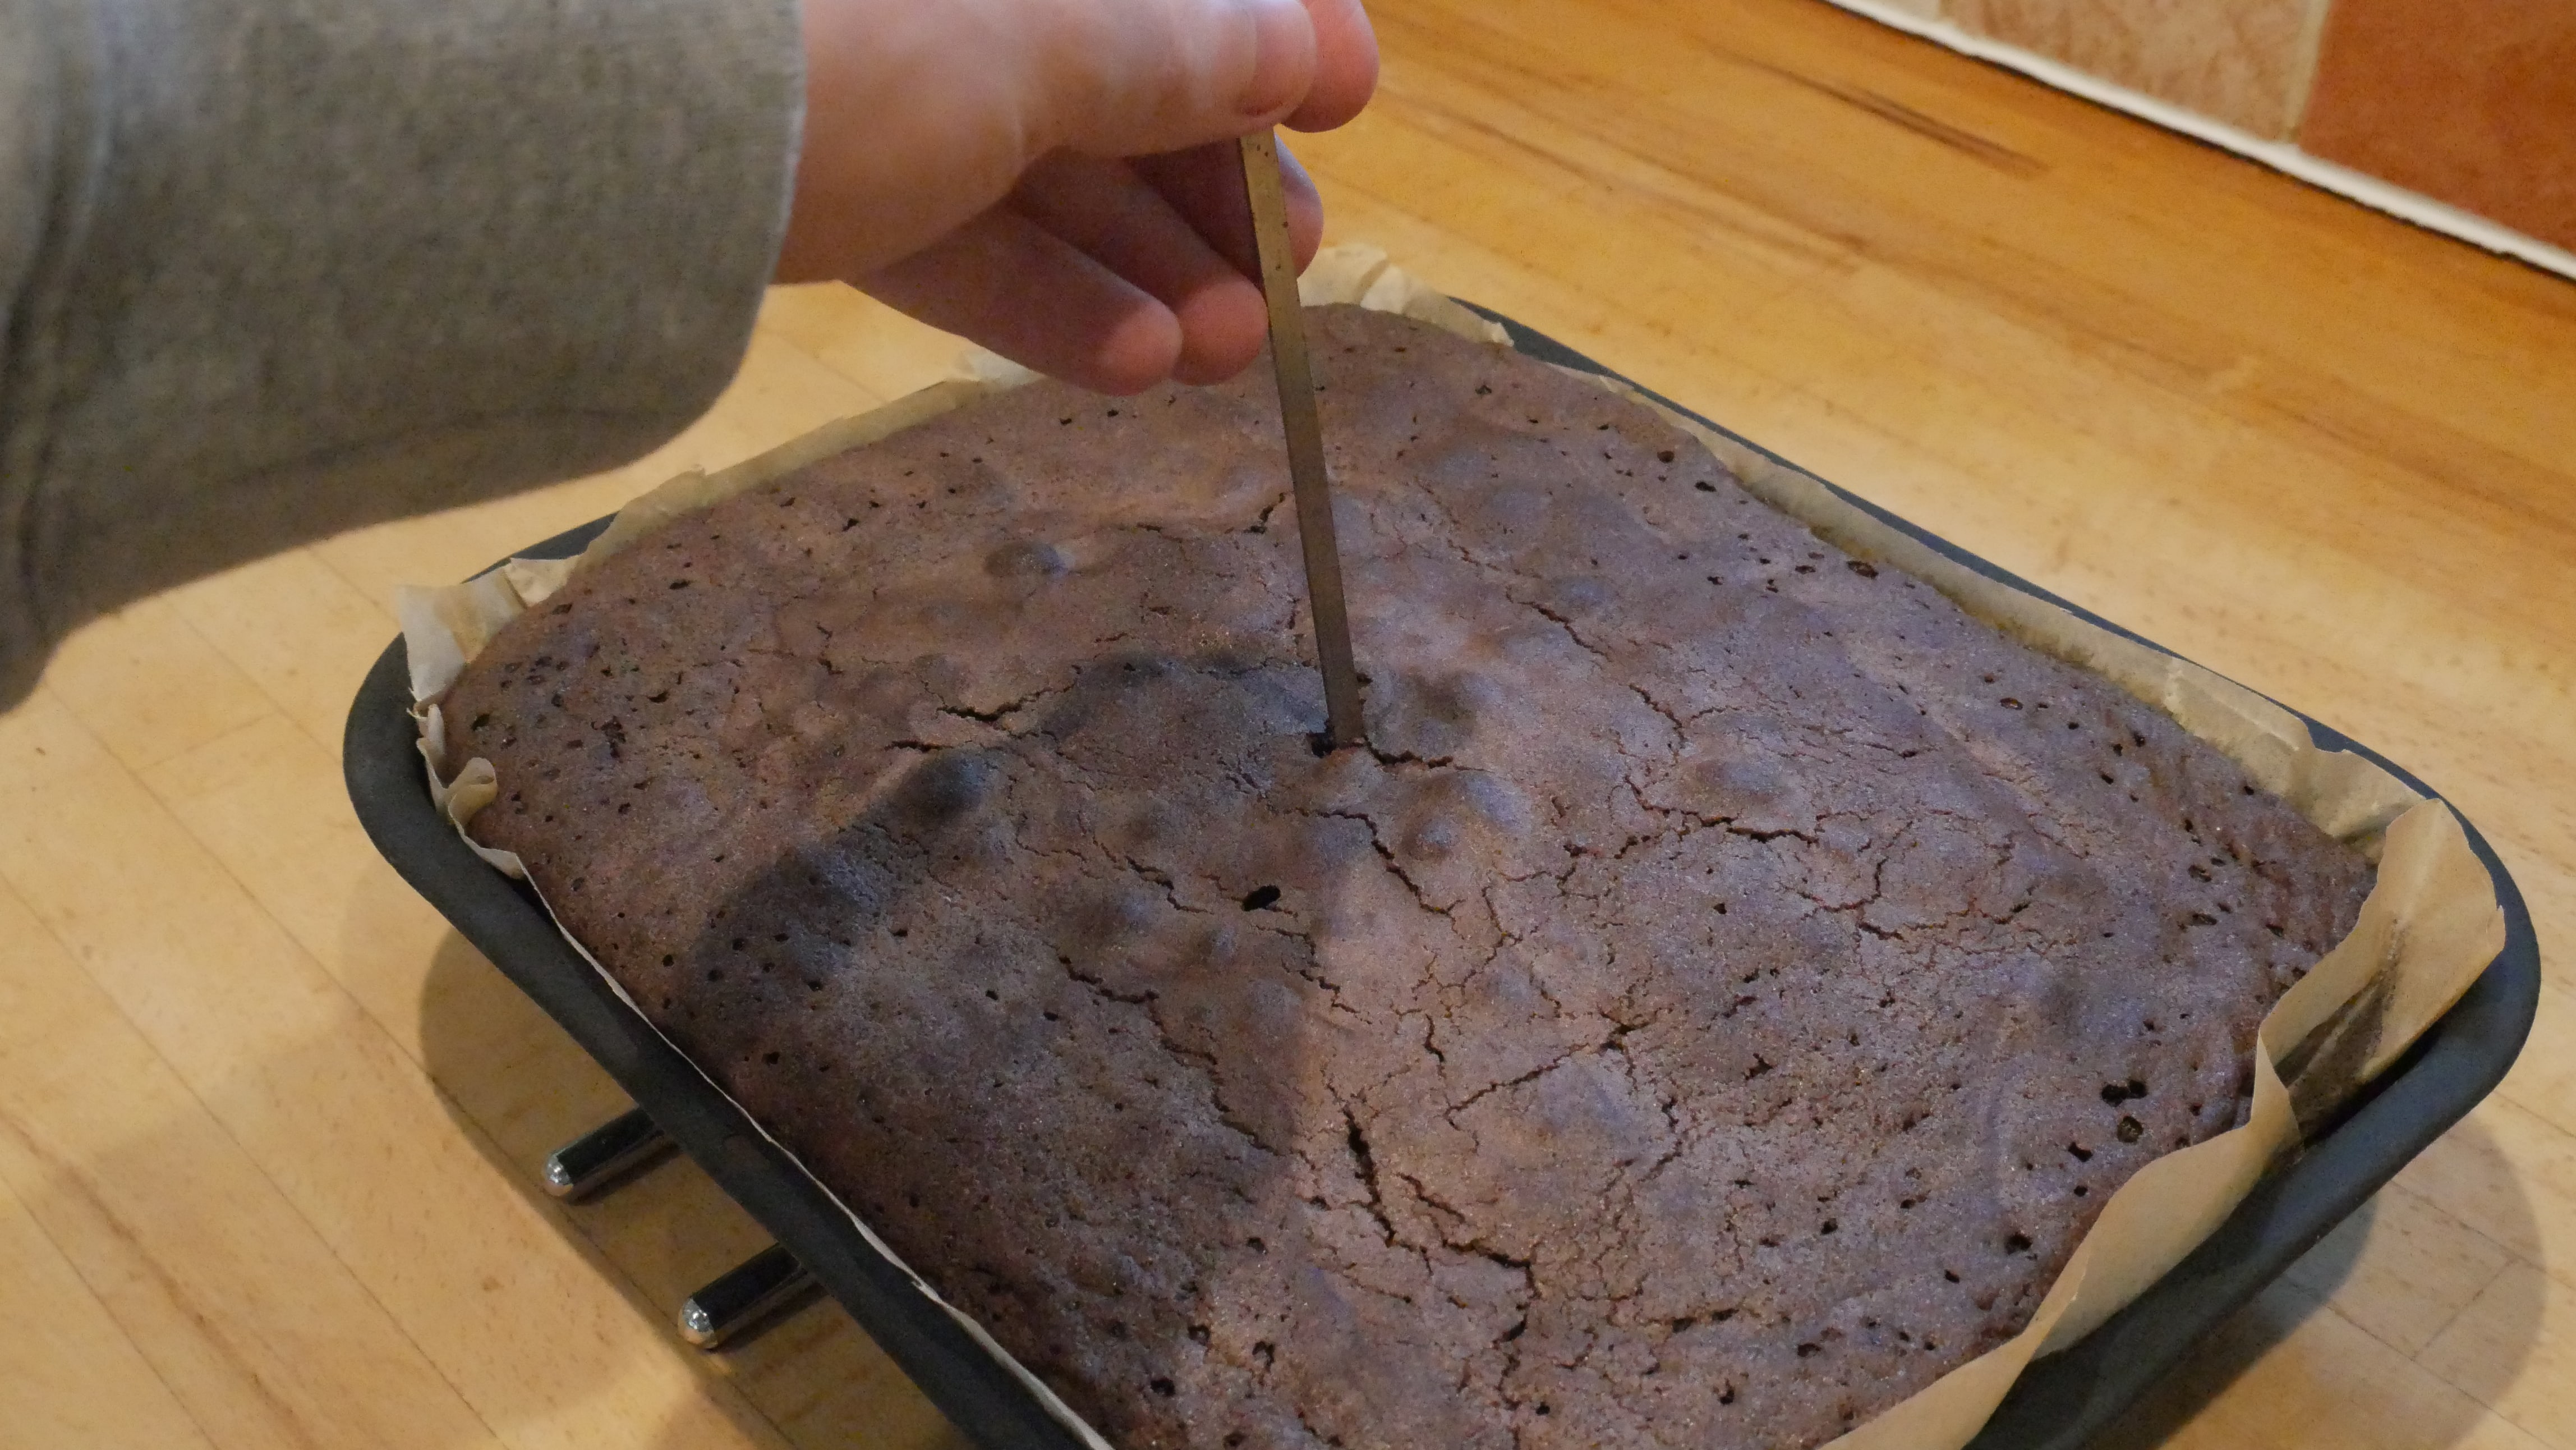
[
  {"x": 2510, "y": 1175},
  {"x": 268, "y": 802},
  {"x": 543, "y": 1347},
  {"x": 74, "y": 1377},
  {"x": 301, "y": 635},
  {"x": 2401, "y": 1270},
  {"x": 2514, "y": 1349},
  {"x": 2288, "y": 1371},
  {"x": 258, "y": 1329}
]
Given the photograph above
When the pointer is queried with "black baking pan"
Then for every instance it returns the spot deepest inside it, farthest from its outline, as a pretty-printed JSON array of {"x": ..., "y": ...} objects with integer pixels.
[{"x": 2061, "y": 1402}]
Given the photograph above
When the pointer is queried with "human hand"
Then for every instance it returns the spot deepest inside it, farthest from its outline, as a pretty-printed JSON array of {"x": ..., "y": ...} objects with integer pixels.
[{"x": 1057, "y": 179}]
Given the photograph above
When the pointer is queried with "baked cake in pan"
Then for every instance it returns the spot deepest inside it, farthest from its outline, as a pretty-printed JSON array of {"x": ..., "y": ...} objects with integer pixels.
[{"x": 1713, "y": 1006}]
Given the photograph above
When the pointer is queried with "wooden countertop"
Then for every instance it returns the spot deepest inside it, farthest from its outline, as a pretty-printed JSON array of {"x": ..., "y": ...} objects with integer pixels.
[{"x": 268, "y": 1130}]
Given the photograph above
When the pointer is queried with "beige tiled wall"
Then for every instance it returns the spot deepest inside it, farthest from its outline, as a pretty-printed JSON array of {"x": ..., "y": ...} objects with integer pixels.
[
  {"x": 2469, "y": 102},
  {"x": 2238, "y": 61}
]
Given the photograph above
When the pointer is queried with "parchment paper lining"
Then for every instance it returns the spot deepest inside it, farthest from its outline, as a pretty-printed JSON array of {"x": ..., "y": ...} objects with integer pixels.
[{"x": 2430, "y": 925}]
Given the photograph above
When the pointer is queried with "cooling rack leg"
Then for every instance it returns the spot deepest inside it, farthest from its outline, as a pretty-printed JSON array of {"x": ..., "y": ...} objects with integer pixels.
[
  {"x": 761, "y": 1288},
  {"x": 604, "y": 1155}
]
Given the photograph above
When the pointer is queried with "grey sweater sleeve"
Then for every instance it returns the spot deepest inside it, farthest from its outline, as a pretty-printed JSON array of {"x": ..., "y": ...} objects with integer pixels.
[{"x": 270, "y": 269}]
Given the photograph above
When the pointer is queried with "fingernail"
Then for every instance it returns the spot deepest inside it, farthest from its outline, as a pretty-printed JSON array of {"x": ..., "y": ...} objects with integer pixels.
[{"x": 1284, "y": 58}]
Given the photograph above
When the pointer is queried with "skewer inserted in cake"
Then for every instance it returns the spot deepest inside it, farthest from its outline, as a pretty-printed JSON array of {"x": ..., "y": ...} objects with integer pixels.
[{"x": 1297, "y": 416}]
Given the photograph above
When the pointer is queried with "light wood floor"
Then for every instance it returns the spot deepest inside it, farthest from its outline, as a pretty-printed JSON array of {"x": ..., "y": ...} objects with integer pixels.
[{"x": 268, "y": 1130}]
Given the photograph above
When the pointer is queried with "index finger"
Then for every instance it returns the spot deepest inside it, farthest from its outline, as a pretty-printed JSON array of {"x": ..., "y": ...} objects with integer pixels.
[{"x": 1346, "y": 64}]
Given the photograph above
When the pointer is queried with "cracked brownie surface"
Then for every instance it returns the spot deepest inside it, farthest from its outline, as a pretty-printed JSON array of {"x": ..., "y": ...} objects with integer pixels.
[{"x": 1712, "y": 1007}]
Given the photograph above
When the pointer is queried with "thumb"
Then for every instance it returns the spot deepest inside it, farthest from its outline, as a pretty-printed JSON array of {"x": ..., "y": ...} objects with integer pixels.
[{"x": 1151, "y": 76}]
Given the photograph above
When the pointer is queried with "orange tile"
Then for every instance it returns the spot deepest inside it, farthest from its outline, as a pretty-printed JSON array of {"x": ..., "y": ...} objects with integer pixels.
[
  {"x": 2231, "y": 60},
  {"x": 2470, "y": 101}
]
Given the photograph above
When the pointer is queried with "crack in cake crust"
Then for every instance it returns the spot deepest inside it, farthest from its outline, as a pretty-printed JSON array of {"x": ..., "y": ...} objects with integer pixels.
[{"x": 1711, "y": 1009}]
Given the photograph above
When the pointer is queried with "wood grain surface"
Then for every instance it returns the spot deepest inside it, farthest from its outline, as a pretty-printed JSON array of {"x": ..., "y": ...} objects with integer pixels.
[{"x": 268, "y": 1129}]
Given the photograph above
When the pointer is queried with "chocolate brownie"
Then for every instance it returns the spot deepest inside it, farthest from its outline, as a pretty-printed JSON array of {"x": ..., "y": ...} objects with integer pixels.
[{"x": 1712, "y": 1006}]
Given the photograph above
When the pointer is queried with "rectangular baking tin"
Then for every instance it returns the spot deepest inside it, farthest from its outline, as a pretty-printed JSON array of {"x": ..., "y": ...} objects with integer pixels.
[{"x": 2061, "y": 1402}]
